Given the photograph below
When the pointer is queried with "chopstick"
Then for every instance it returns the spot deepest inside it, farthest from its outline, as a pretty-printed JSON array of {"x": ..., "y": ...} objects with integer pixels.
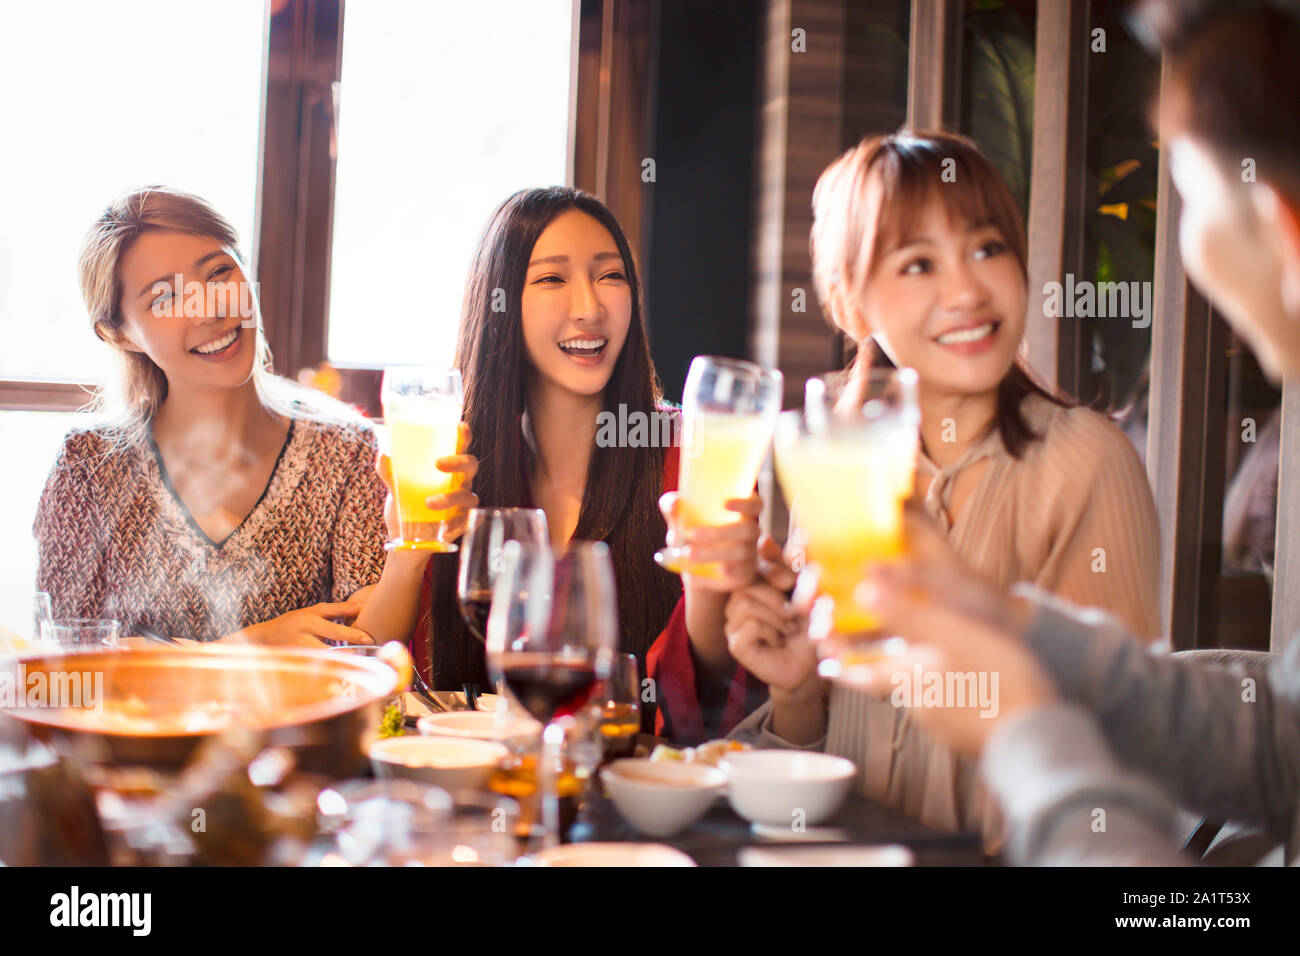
[{"x": 156, "y": 637}]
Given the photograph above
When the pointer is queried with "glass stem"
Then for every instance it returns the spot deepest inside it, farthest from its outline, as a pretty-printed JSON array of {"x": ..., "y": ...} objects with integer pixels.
[{"x": 548, "y": 782}]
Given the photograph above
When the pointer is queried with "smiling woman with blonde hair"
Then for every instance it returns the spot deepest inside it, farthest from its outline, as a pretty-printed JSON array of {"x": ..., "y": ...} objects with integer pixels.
[{"x": 211, "y": 498}]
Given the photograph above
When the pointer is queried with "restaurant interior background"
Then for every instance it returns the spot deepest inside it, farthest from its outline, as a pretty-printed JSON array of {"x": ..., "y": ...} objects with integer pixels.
[{"x": 359, "y": 148}]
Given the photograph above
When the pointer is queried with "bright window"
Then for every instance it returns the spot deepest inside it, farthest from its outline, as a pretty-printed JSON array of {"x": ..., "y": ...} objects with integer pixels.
[
  {"x": 444, "y": 111},
  {"x": 100, "y": 99}
]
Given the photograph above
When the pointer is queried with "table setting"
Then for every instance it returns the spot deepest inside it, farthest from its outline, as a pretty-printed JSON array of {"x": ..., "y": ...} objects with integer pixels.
[{"x": 158, "y": 783}]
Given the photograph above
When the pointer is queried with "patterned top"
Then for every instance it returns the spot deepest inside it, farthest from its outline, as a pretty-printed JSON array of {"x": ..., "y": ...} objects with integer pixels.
[{"x": 115, "y": 541}]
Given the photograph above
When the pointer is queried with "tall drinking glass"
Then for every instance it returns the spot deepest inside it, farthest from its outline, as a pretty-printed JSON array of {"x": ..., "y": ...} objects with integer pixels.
[
  {"x": 422, "y": 411},
  {"x": 552, "y": 634},
  {"x": 729, "y": 410},
  {"x": 846, "y": 464},
  {"x": 481, "y": 556}
]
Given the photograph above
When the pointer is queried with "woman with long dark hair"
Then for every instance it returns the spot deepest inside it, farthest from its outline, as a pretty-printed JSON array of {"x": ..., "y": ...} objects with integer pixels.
[{"x": 551, "y": 336}]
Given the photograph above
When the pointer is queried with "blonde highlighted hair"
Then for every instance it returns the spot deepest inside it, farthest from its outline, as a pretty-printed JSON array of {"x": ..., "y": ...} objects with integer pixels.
[{"x": 130, "y": 404}]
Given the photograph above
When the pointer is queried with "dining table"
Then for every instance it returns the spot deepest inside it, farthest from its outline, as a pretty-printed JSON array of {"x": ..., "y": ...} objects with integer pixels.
[{"x": 720, "y": 837}]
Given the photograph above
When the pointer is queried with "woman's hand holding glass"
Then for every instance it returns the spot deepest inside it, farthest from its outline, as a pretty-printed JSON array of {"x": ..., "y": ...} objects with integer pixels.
[
  {"x": 954, "y": 622},
  {"x": 766, "y": 633},
  {"x": 729, "y": 550}
]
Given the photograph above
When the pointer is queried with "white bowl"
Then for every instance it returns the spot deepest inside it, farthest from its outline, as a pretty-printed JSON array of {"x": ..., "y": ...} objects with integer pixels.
[
  {"x": 442, "y": 761},
  {"x": 612, "y": 854},
  {"x": 784, "y": 787},
  {"x": 662, "y": 798},
  {"x": 478, "y": 725}
]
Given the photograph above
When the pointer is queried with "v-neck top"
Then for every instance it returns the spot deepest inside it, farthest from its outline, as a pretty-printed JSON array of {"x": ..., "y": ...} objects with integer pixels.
[
  {"x": 189, "y": 515},
  {"x": 115, "y": 541}
]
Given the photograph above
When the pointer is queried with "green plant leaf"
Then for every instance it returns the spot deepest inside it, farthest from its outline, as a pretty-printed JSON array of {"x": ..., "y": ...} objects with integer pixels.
[{"x": 998, "y": 64}]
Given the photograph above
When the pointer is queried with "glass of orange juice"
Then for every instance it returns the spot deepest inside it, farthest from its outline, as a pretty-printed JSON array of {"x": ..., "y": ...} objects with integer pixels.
[
  {"x": 422, "y": 413},
  {"x": 729, "y": 410},
  {"x": 847, "y": 463}
]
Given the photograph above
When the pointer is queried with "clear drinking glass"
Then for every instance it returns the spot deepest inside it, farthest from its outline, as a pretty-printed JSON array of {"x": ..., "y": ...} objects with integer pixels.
[
  {"x": 480, "y": 832},
  {"x": 729, "y": 409},
  {"x": 380, "y": 822},
  {"x": 481, "y": 557},
  {"x": 422, "y": 412},
  {"x": 552, "y": 634},
  {"x": 75, "y": 635},
  {"x": 617, "y": 702},
  {"x": 42, "y": 613},
  {"x": 846, "y": 464}
]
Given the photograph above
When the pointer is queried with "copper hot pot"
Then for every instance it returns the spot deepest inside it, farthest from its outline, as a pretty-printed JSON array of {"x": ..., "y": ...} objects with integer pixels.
[{"x": 154, "y": 707}]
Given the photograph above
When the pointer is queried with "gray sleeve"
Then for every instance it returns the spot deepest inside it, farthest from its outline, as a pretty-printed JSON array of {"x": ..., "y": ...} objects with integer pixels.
[
  {"x": 1068, "y": 802},
  {"x": 756, "y": 730},
  {"x": 1219, "y": 741}
]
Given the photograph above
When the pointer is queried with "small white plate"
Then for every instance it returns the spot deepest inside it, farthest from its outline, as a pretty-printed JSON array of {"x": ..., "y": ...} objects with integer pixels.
[
  {"x": 612, "y": 854},
  {"x": 478, "y": 725},
  {"x": 788, "y": 834},
  {"x": 888, "y": 855},
  {"x": 415, "y": 707}
]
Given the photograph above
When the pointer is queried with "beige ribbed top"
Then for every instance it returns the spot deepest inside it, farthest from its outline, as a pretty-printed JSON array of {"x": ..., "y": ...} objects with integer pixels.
[{"x": 1075, "y": 516}]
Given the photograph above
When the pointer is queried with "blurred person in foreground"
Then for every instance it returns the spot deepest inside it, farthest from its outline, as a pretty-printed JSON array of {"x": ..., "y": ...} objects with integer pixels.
[{"x": 1089, "y": 720}]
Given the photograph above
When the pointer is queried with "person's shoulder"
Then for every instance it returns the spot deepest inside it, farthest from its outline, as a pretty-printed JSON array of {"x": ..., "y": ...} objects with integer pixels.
[
  {"x": 95, "y": 459},
  {"x": 96, "y": 444},
  {"x": 1081, "y": 453},
  {"x": 1076, "y": 434},
  {"x": 349, "y": 434}
]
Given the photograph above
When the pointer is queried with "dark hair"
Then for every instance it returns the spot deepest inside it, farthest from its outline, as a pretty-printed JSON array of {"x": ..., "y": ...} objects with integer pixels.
[
  {"x": 1234, "y": 79},
  {"x": 620, "y": 501},
  {"x": 869, "y": 201}
]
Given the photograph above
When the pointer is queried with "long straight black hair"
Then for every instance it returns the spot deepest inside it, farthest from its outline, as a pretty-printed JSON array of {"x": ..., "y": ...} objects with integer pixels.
[{"x": 620, "y": 501}]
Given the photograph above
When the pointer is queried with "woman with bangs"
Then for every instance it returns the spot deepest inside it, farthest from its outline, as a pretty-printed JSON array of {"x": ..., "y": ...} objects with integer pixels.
[
  {"x": 919, "y": 257},
  {"x": 552, "y": 336}
]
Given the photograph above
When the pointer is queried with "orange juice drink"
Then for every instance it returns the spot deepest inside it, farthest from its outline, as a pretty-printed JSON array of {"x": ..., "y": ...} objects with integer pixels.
[
  {"x": 421, "y": 432},
  {"x": 720, "y": 460},
  {"x": 847, "y": 488}
]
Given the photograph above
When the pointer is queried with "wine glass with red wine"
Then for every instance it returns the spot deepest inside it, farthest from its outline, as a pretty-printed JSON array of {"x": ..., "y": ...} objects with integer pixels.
[
  {"x": 481, "y": 558},
  {"x": 552, "y": 634}
]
